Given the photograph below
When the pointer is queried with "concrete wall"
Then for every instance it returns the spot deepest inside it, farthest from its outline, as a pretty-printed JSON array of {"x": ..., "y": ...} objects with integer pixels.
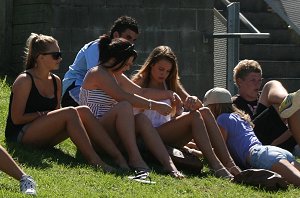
[
  {"x": 5, "y": 35},
  {"x": 177, "y": 23}
]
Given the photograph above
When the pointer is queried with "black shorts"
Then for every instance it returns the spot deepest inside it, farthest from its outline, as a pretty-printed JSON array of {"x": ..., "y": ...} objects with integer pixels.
[
  {"x": 67, "y": 100},
  {"x": 269, "y": 126}
]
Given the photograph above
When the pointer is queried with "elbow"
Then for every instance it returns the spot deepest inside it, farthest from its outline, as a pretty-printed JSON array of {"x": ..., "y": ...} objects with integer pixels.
[{"x": 17, "y": 121}]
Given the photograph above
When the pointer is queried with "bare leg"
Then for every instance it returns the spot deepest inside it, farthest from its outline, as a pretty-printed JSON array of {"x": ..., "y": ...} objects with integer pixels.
[
  {"x": 273, "y": 93},
  {"x": 120, "y": 120},
  {"x": 99, "y": 136},
  {"x": 296, "y": 165},
  {"x": 9, "y": 166},
  {"x": 294, "y": 125},
  {"x": 191, "y": 126},
  {"x": 56, "y": 126},
  {"x": 288, "y": 171},
  {"x": 217, "y": 141},
  {"x": 154, "y": 144}
]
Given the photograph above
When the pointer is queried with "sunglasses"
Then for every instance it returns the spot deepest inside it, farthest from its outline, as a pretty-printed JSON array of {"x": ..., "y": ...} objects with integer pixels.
[{"x": 55, "y": 55}]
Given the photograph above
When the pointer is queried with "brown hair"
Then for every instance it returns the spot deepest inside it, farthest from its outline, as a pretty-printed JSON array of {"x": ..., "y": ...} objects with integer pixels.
[
  {"x": 245, "y": 67},
  {"x": 160, "y": 53},
  {"x": 219, "y": 108},
  {"x": 36, "y": 44}
]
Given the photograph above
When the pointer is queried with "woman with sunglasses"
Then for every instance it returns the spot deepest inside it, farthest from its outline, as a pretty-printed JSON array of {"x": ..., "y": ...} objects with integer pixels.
[
  {"x": 111, "y": 96},
  {"x": 35, "y": 117}
]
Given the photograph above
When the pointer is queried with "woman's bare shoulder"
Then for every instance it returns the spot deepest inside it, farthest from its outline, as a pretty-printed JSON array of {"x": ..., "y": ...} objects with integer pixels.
[{"x": 22, "y": 78}]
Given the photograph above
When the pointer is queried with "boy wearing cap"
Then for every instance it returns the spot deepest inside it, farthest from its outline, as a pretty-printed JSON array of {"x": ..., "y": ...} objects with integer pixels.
[
  {"x": 242, "y": 143},
  {"x": 263, "y": 107}
]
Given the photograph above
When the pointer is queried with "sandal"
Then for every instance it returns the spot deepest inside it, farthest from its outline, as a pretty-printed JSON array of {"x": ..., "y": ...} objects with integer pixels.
[
  {"x": 218, "y": 173},
  {"x": 142, "y": 176}
]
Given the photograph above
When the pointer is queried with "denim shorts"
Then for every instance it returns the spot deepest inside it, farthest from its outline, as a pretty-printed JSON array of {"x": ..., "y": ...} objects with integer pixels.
[
  {"x": 21, "y": 134},
  {"x": 266, "y": 156}
]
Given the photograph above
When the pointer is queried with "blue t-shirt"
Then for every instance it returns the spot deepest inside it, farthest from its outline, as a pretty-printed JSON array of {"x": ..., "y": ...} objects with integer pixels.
[
  {"x": 240, "y": 136},
  {"x": 87, "y": 57}
]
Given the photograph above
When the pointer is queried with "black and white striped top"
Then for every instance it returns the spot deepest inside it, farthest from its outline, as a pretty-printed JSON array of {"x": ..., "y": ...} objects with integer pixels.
[{"x": 97, "y": 100}]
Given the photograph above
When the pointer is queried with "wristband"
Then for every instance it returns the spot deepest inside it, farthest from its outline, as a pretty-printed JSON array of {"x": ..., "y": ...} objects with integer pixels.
[{"x": 150, "y": 104}]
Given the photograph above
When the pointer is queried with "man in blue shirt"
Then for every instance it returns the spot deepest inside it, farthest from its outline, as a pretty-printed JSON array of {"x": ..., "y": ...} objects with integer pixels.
[{"x": 88, "y": 57}]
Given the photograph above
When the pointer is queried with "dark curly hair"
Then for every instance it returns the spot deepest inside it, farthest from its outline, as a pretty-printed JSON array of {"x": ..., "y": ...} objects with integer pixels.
[
  {"x": 119, "y": 49},
  {"x": 123, "y": 23}
]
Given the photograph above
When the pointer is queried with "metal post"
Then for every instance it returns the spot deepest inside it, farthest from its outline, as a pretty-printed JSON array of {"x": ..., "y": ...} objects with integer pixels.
[{"x": 233, "y": 26}]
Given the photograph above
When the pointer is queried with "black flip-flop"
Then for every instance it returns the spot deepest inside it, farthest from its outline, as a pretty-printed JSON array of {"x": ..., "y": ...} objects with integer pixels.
[{"x": 142, "y": 176}]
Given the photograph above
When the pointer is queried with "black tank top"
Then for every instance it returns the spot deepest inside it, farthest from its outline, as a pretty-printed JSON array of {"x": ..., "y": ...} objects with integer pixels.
[{"x": 35, "y": 102}]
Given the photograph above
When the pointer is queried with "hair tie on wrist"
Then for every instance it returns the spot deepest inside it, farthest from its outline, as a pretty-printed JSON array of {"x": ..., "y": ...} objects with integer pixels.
[{"x": 150, "y": 104}]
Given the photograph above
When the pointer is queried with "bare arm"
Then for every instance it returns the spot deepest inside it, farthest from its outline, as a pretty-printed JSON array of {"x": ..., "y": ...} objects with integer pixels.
[
  {"x": 177, "y": 104},
  {"x": 58, "y": 82},
  {"x": 21, "y": 89},
  {"x": 154, "y": 94},
  {"x": 282, "y": 138},
  {"x": 189, "y": 102},
  {"x": 100, "y": 79}
]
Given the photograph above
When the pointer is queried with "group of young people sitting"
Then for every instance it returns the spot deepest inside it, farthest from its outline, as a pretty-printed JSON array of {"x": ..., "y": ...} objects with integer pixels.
[{"x": 104, "y": 110}]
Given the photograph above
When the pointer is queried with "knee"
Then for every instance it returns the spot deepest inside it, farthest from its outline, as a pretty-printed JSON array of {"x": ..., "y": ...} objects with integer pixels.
[
  {"x": 83, "y": 110},
  {"x": 204, "y": 111},
  {"x": 196, "y": 115},
  {"x": 125, "y": 105},
  {"x": 70, "y": 112},
  {"x": 272, "y": 83}
]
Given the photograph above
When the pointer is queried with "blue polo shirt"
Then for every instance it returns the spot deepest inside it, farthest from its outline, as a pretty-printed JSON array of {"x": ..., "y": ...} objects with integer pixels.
[{"x": 86, "y": 58}]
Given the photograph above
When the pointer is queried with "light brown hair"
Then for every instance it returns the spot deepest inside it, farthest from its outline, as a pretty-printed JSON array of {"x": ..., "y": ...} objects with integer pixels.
[
  {"x": 219, "y": 108},
  {"x": 244, "y": 67},
  {"x": 160, "y": 53},
  {"x": 36, "y": 44}
]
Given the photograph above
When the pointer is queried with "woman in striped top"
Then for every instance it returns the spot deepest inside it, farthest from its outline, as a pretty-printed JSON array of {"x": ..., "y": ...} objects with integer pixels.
[{"x": 111, "y": 96}]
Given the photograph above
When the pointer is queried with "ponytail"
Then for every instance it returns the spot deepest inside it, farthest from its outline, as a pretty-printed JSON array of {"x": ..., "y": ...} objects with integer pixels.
[
  {"x": 35, "y": 45},
  {"x": 104, "y": 48}
]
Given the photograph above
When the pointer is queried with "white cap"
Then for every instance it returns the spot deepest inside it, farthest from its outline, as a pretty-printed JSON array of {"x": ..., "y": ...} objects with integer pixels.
[{"x": 217, "y": 95}]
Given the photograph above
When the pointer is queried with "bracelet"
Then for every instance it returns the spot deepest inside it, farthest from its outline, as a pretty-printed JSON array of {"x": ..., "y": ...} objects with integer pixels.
[{"x": 150, "y": 104}]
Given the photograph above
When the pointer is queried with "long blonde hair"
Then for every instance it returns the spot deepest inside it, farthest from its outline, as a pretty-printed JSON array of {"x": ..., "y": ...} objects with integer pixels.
[
  {"x": 219, "y": 108},
  {"x": 159, "y": 53}
]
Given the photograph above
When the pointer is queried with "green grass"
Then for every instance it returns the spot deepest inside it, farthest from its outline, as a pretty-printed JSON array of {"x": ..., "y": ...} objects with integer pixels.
[{"x": 59, "y": 172}]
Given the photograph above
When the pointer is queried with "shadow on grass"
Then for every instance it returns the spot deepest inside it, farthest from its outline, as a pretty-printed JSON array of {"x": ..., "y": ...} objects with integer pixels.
[
  {"x": 41, "y": 158},
  {"x": 46, "y": 158},
  {"x": 157, "y": 167}
]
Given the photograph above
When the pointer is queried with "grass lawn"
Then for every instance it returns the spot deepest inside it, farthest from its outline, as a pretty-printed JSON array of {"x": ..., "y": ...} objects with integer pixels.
[{"x": 59, "y": 172}]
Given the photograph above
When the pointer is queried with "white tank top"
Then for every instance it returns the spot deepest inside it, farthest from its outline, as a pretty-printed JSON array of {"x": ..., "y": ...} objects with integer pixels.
[{"x": 156, "y": 118}]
